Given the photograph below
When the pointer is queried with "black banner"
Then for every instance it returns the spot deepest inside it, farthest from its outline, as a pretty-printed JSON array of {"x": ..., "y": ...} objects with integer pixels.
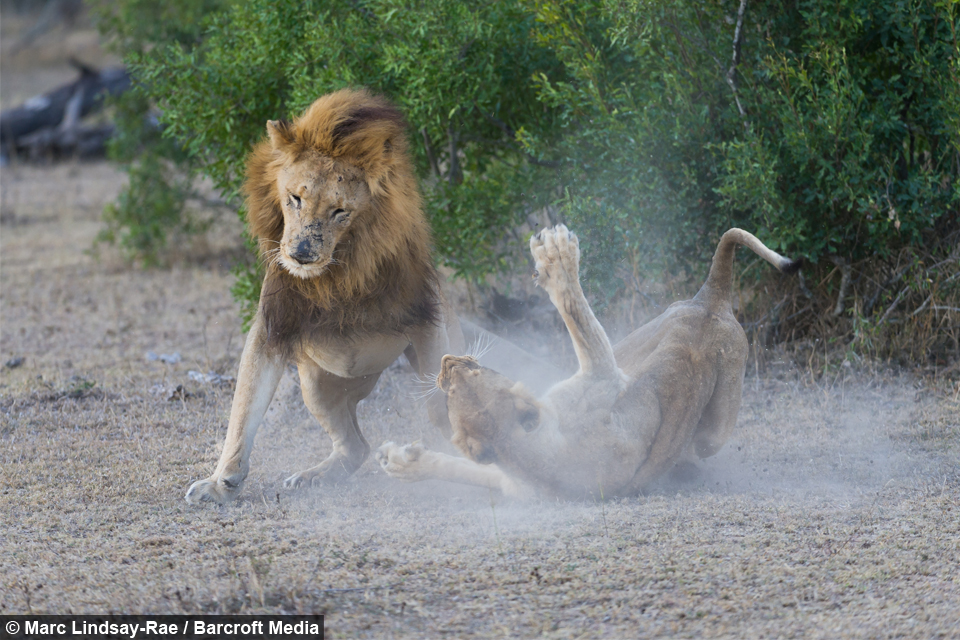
[{"x": 162, "y": 627}]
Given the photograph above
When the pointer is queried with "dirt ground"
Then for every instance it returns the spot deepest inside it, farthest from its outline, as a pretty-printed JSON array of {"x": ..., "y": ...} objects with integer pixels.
[{"x": 834, "y": 512}]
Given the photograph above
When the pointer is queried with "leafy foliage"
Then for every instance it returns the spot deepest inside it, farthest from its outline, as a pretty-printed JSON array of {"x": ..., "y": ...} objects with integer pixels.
[
  {"x": 833, "y": 132},
  {"x": 847, "y": 145},
  {"x": 152, "y": 208}
]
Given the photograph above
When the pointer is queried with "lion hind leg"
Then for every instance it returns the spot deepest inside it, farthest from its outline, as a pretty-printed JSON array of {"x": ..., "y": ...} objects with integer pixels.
[
  {"x": 556, "y": 252},
  {"x": 414, "y": 463},
  {"x": 719, "y": 416},
  {"x": 333, "y": 402}
]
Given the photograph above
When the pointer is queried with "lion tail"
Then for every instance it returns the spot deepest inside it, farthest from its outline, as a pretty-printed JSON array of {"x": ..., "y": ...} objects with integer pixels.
[{"x": 716, "y": 290}]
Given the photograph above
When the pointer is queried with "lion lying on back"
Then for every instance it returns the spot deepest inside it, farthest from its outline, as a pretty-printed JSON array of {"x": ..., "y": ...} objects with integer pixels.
[{"x": 629, "y": 413}]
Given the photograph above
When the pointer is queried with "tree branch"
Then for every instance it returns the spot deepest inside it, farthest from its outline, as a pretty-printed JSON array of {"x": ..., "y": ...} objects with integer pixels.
[
  {"x": 731, "y": 76},
  {"x": 431, "y": 156},
  {"x": 845, "y": 269},
  {"x": 803, "y": 286},
  {"x": 892, "y": 280},
  {"x": 893, "y": 305},
  {"x": 454, "y": 175}
]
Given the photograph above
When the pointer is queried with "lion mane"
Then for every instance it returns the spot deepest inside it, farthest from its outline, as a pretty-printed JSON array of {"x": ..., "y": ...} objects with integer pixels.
[
  {"x": 349, "y": 282},
  {"x": 383, "y": 279}
]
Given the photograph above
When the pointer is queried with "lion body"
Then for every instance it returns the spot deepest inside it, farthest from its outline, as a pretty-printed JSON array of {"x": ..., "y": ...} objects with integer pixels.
[
  {"x": 350, "y": 284},
  {"x": 671, "y": 389}
]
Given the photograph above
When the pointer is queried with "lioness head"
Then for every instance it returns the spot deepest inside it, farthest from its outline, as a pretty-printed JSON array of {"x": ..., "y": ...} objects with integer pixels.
[
  {"x": 484, "y": 407},
  {"x": 320, "y": 198}
]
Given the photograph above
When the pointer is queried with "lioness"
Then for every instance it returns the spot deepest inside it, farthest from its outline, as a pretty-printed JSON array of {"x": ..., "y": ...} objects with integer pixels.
[
  {"x": 349, "y": 285},
  {"x": 624, "y": 418}
]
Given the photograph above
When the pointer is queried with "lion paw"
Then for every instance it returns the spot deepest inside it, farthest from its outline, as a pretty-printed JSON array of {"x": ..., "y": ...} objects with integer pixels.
[
  {"x": 556, "y": 252},
  {"x": 401, "y": 462},
  {"x": 334, "y": 469},
  {"x": 310, "y": 478},
  {"x": 220, "y": 491},
  {"x": 294, "y": 482}
]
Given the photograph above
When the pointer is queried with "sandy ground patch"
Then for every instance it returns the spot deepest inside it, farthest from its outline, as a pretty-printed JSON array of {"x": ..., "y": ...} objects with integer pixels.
[{"x": 834, "y": 512}]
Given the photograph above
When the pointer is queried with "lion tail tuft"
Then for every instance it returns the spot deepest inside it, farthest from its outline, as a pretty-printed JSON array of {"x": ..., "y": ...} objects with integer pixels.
[{"x": 792, "y": 267}]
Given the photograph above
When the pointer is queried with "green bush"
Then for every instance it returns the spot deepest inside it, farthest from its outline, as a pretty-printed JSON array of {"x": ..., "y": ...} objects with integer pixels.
[
  {"x": 151, "y": 209},
  {"x": 846, "y": 145},
  {"x": 833, "y": 132}
]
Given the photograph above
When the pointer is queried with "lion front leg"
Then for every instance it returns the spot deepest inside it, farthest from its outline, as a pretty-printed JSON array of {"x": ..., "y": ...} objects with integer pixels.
[
  {"x": 414, "y": 463},
  {"x": 257, "y": 381},
  {"x": 556, "y": 252},
  {"x": 333, "y": 402}
]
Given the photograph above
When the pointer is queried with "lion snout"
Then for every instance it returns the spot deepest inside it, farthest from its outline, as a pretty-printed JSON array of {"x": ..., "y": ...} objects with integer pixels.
[
  {"x": 450, "y": 361},
  {"x": 449, "y": 364},
  {"x": 474, "y": 449},
  {"x": 304, "y": 253}
]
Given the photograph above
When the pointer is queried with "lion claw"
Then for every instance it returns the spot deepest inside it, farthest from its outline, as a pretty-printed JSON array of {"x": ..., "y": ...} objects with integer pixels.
[
  {"x": 556, "y": 252},
  {"x": 209, "y": 490}
]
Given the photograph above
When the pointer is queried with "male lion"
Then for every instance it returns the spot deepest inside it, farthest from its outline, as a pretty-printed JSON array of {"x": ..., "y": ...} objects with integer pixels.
[
  {"x": 349, "y": 284},
  {"x": 624, "y": 418}
]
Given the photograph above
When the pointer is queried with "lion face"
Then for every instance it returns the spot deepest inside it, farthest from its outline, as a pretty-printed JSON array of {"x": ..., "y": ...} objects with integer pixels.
[
  {"x": 321, "y": 198},
  {"x": 484, "y": 407}
]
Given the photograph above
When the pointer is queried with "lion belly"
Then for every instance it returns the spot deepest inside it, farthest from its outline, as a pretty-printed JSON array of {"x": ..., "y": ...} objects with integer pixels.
[{"x": 365, "y": 356}]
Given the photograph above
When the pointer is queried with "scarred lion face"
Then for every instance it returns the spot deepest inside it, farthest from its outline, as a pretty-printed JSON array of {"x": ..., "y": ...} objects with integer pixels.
[{"x": 321, "y": 198}]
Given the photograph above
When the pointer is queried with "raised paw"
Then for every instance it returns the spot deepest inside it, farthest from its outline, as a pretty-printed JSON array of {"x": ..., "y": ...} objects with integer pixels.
[
  {"x": 401, "y": 462},
  {"x": 220, "y": 491},
  {"x": 556, "y": 252}
]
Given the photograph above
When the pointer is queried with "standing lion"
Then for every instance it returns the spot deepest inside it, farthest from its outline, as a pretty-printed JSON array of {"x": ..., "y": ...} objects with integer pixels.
[{"x": 349, "y": 285}]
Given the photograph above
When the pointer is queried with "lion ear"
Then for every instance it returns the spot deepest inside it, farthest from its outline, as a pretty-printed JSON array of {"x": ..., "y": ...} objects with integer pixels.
[
  {"x": 528, "y": 413},
  {"x": 281, "y": 133}
]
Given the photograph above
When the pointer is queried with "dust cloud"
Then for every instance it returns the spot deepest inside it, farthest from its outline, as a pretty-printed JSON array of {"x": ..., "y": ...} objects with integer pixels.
[{"x": 844, "y": 437}]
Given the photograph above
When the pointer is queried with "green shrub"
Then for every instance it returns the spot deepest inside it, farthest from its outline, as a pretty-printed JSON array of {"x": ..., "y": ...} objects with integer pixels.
[
  {"x": 151, "y": 209},
  {"x": 833, "y": 132}
]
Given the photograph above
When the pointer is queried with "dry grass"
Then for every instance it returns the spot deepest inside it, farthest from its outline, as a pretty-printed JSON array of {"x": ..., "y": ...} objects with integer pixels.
[{"x": 833, "y": 513}]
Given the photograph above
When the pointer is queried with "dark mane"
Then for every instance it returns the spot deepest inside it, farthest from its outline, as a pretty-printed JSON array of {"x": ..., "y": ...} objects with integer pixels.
[{"x": 383, "y": 280}]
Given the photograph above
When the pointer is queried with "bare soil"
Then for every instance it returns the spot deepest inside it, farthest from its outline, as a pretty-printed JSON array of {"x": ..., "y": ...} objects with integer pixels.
[{"x": 834, "y": 512}]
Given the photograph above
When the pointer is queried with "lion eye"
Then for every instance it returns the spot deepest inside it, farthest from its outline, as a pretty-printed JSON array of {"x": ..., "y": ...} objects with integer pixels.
[
  {"x": 339, "y": 213},
  {"x": 296, "y": 200}
]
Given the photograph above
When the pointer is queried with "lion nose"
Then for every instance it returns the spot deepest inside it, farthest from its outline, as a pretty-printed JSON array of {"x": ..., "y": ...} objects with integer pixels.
[{"x": 303, "y": 254}]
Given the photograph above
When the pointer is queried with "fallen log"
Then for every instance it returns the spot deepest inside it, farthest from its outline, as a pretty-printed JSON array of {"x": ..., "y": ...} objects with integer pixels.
[{"x": 49, "y": 124}]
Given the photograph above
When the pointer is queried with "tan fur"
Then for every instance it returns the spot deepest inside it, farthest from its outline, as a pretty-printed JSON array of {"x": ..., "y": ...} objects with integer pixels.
[
  {"x": 333, "y": 202},
  {"x": 348, "y": 150},
  {"x": 628, "y": 415}
]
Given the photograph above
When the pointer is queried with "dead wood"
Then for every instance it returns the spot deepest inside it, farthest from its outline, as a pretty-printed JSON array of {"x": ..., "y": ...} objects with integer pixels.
[{"x": 50, "y": 124}]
